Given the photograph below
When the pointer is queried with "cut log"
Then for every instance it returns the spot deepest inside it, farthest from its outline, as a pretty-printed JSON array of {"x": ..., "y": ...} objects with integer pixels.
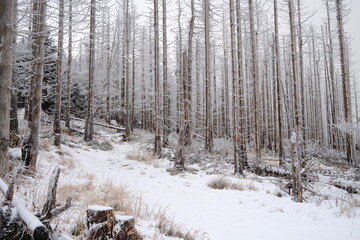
[{"x": 37, "y": 230}]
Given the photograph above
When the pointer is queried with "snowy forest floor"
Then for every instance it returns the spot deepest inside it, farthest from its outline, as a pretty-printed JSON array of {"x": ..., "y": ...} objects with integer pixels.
[{"x": 171, "y": 205}]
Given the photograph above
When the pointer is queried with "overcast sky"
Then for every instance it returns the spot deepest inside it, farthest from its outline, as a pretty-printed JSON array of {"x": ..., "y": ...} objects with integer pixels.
[{"x": 352, "y": 26}]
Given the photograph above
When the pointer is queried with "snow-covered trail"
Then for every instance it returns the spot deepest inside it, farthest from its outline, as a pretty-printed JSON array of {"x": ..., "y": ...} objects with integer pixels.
[{"x": 222, "y": 214}]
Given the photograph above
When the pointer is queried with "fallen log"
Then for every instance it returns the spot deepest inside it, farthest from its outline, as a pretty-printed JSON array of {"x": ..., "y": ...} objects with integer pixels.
[
  {"x": 101, "y": 124},
  {"x": 37, "y": 229},
  {"x": 348, "y": 188}
]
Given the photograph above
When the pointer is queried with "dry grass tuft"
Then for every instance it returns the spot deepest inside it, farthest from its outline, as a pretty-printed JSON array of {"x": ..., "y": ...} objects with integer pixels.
[
  {"x": 145, "y": 157},
  {"x": 222, "y": 182},
  {"x": 219, "y": 183},
  {"x": 349, "y": 208},
  {"x": 67, "y": 162}
]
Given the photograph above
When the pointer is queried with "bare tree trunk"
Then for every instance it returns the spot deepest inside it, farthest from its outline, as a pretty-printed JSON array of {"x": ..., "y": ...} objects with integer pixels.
[
  {"x": 127, "y": 73},
  {"x": 57, "y": 128},
  {"x": 133, "y": 76},
  {"x": 301, "y": 65},
  {"x": 254, "y": 76},
  {"x": 235, "y": 102},
  {"x": 69, "y": 72},
  {"x": 32, "y": 155},
  {"x": 7, "y": 21},
  {"x": 14, "y": 122},
  {"x": 166, "y": 93},
  {"x": 344, "y": 79},
  {"x": 208, "y": 111},
  {"x": 180, "y": 155},
  {"x": 89, "y": 124},
  {"x": 334, "y": 132},
  {"x": 188, "y": 87},
  {"x": 296, "y": 135},
  {"x": 157, "y": 142},
  {"x": 226, "y": 119},
  {"x": 278, "y": 84},
  {"x": 241, "y": 92}
]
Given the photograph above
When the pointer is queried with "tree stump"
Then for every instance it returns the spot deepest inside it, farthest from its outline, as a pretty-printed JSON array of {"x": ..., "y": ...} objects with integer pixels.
[
  {"x": 98, "y": 215},
  {"x": 102, "y": 225}
]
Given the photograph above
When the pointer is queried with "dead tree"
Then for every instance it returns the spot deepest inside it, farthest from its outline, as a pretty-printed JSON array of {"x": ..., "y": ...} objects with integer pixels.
[
  {"x": 208, "y": 106},
  {"x": 296, "y": 134},
  {"x": 278, "y": 85},
  {"x": 89, "y": 124},
  {"x": 157, "y": 142},
  {"x": 344, "y": 79},
  {"x": 6, "y": 62},
  {"x": 188, "y": 86},
  {"x": 166, "y": 92},
  {"x": 38, "y": 227},
  {"x": 241, "y": 92},
  {"x": 235, "y": 97},
  {"x": 69, "y": 70},
  {"x": 57, "y": 128},
  {"x": 254, "y": 78},
  {"x": 36, "y": 83}
]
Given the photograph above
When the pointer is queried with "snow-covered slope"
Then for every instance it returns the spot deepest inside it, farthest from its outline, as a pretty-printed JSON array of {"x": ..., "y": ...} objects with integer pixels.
[{"x": 254, "y": 213}]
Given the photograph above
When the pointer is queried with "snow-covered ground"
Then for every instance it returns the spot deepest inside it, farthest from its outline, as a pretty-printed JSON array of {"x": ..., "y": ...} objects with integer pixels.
[{"x": 260, "y": 211}]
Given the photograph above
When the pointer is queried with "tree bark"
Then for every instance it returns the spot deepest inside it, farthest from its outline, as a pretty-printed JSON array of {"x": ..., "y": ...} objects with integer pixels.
[
  {"x": 69, "y": 70},
  {"x": 37, "y": 84},
  {"x": 89, "y": 124},
  {"x": 254, "y": 76},
  {"x": 296, "y": 135},
  {"x": 344, "y": 79},
  {"x": 57, "y": 127},
  {"x": 208, "y": 106},
  {"x": 6, "y": 63},
  {"x": 278, "y": 84},
  {"x": 157, "y": 142}
]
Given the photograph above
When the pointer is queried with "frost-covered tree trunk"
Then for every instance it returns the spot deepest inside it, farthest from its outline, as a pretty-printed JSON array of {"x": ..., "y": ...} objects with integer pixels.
[
  {"x": 89, "y": 124},
  {"x": 166, "y": 92},
  {"x": 57, "y": 115},
  {"x": 226, "y": 119},
  {"x": 301, "y": 72},
  {"x": 208, "y": 108},
  {"x": 296, "y": 134},
  {"x": 344, "y": 79},
  {"x": 333, "y": 94},
  {"x": 278, "y": 85},
  {"x": 14, "y": 122},
  {"x": 157, "y": 142},
  {"x": 234, "y": 98},
  {"x": 180, "y": 155},
  {"x": 127, "y": 72},
  {"x": 188, "y": 86},
  {"x": 254, "y": 78},
  {"x": 40, "y": 18},
  {"x": 69, "y": 70},
  {"x": 241, "y": 92},
  {"x": 6, "y": 63}
]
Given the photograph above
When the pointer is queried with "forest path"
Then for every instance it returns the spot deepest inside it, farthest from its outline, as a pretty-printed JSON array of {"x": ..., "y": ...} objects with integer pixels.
[{"x": 222, "y": 214}]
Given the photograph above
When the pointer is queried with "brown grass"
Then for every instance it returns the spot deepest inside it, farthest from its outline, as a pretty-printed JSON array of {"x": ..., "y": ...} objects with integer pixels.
[
  {"x": 222, "y": 182},
  {"x": 145, "y": 157}
]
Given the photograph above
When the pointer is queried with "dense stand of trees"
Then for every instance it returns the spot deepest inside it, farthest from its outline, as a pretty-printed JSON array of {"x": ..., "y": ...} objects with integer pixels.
[{"x": 227, "y": 72}]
